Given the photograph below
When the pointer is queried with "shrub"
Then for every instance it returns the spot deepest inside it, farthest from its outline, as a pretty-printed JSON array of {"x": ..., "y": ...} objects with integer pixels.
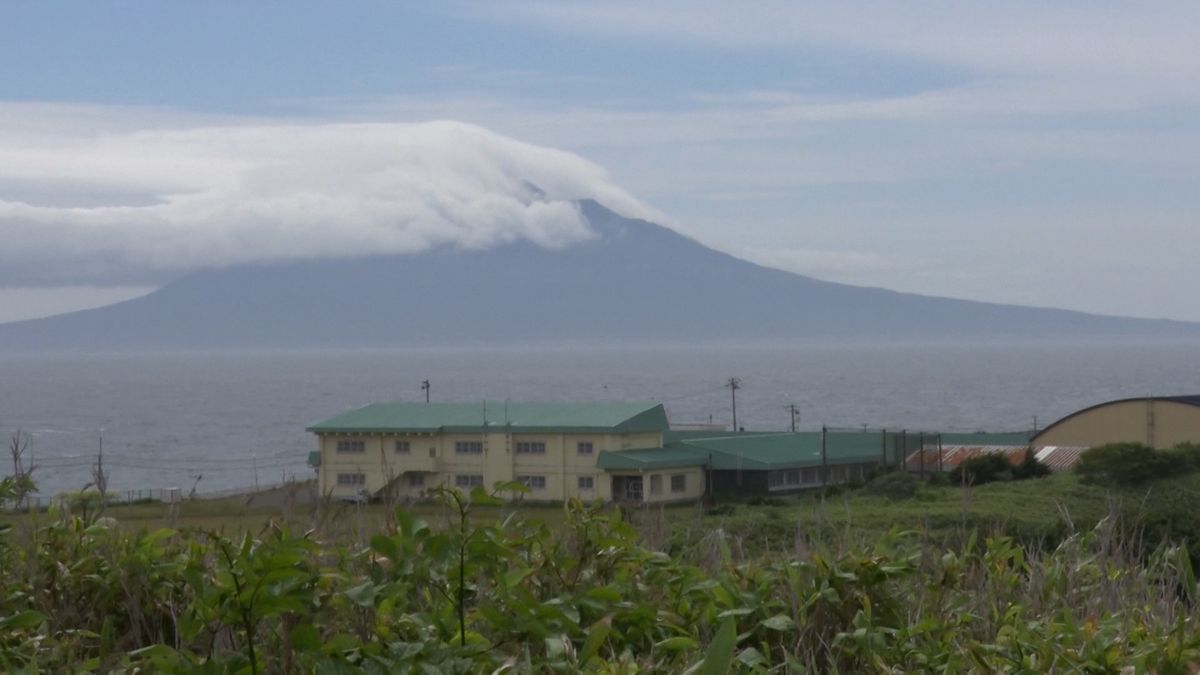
[
  {"x": 983, "y": 469},
  {"x": 1130, "y": 464},
  {"x": 1030, "y": 467},
  {"x": 894, "y": 486}
]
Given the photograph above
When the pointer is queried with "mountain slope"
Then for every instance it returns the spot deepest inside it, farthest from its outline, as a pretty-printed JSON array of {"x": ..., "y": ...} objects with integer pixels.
[{"x": 634, "y": 281}]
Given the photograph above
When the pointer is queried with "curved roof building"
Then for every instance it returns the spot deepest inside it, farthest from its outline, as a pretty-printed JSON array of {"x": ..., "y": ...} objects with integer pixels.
[{"x": 1156, "y": 421}]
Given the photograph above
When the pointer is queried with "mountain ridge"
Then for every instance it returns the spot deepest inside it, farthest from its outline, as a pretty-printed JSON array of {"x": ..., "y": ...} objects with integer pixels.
[{"x": 634, "y": 281}]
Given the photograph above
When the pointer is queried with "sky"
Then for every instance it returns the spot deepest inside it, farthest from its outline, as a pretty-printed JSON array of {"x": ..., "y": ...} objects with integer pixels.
[{"x": 1032, "y": 153}]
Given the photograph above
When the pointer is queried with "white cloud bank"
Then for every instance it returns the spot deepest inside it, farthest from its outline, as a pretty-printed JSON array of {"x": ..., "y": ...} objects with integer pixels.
[{"x": 116, "y": 204}]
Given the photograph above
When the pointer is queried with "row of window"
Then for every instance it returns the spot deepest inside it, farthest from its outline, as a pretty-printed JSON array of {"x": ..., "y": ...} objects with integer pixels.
[
  {"x": 678, "y": 483},
  {"x": 794, "y": 478},
  {"x": 470, "y": 480},
  {"x": 464, "y": 447}
]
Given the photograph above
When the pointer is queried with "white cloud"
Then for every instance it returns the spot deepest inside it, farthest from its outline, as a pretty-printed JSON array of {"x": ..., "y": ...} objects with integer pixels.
[
  {"x": 1083, "y": 55},
  {"x": 214, "y": 195}
]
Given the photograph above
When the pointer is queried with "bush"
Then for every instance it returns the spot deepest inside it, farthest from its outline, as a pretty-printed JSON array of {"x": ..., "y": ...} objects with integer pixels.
[
  {"x": 1131, "y": 464},
  {"x": 1030, "y": 467},
  {"x": 894, "y": 486},
  {"x": 987, "y": 468}
]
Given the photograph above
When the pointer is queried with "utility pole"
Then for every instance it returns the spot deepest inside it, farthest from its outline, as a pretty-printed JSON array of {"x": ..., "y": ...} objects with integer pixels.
[
  {"x": 425, "y": 388},
  {"x": 734, "y": 384},
  {"x": 795, "y": 410}
]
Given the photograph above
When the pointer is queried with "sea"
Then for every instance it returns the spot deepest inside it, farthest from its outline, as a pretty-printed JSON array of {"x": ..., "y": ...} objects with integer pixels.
[{"x": 211, "y": 422}]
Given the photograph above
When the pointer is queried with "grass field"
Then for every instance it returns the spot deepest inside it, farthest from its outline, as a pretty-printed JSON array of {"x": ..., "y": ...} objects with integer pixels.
[{"x": 1042, "y": 511}]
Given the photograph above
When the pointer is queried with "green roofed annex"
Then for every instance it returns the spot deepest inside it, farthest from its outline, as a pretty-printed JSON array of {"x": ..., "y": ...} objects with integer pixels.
[{"x": 612, "y": 451}]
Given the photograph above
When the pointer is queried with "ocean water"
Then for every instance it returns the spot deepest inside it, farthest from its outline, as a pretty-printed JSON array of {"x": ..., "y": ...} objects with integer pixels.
[{"x": 221, "y": 420}]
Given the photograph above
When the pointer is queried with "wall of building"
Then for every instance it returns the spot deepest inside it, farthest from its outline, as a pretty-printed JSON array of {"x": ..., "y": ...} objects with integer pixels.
[
  {"x": 1159, "y": 424},
  {"x": 693, "y": 485},
  {"x": 435, "y": 457},
  {"x": 732, "y": 482}
]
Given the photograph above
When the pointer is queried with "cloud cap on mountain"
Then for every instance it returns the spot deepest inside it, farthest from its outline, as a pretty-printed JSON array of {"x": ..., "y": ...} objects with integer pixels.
[{"x": 125, "y": 205}]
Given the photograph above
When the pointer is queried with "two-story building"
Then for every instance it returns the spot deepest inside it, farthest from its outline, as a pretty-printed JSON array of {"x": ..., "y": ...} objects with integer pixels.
[{"x": 403, "y": 449}]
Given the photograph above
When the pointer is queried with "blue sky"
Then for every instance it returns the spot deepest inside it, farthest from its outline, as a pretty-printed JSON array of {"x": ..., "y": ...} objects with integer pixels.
[{"x": 1021, "y": 152}]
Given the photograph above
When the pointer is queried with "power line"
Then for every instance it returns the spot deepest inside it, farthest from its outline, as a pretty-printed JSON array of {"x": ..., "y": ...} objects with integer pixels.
[
  {"x": 795, "y": 410},
  {"x": 734, "y": 384}
]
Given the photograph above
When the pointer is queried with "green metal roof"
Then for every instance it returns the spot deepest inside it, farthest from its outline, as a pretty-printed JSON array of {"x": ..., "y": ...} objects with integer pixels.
[
  {"x": 763, "y": 452},
  {"x": 515, "y": 417},
  {"x": 750, "y": 452},
  {"x": 672, "y": 456}
]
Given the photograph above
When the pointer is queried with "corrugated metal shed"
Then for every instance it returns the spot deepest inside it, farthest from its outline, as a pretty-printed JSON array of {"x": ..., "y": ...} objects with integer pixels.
[
  {"x": 1060, "y": 457},
  {"x": 953, "y": 455}
]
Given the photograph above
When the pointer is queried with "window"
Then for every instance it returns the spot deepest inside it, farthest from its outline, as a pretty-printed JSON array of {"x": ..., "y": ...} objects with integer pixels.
[
  {"x": 403, "y": 447},
  {"x": 468, "y": 447},
  {"x": 784, "y": 480},
  {"x": 467, "y": 480},
  {"x": 533, "y": 482},
  {"x": 809, "y": 476},
  {"x": 656, "y": 485},
  {"x": 433, "y": 452},
  {"x": 586, "y": 482},
  {"x": 838, "y": 474},
  {"x": 416, "y": 480},
  {"x": 679, "y": 482},
  {"x": 351, "y": 446},
  {"x": 531, "y": 448},
  {"x": 352, "y": 479},
  {"x": 583, "y": 447}
]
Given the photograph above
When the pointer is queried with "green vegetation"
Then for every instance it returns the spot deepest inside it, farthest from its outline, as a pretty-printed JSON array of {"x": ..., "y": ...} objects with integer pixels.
[
  {"x": 1052, "y": 574},
  {"x": 1118, "y": 464},
  {"x": 992, "y": 467}
]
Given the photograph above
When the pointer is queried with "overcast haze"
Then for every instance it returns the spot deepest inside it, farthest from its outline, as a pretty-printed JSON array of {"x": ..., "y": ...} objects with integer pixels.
[{"x": 1017, "y": 152}]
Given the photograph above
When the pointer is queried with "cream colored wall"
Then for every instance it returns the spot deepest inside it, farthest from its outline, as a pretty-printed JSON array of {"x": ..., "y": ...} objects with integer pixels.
[
  {"x": 1129, "y": 421},
  {"x": 561, "y": 464},
  {"x": 634, "y": 441},
  {"x": 695, "y": 486}
]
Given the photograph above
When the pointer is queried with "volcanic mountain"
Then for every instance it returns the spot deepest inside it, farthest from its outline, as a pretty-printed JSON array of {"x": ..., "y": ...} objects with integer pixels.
[{"x": 634, "y": 281}]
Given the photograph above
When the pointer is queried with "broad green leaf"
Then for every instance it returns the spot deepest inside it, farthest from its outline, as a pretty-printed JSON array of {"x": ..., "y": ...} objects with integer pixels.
[
  {"x": 778, "y": 622},
  {"x": 26, "y": 619},
  {"x": 363, "y": 595},
  {"x": 719, "y": 656},
  {"x": 751, "y": 657},
  {"x": 597, "y": 634},
  {"x": 677, "y": 644}
]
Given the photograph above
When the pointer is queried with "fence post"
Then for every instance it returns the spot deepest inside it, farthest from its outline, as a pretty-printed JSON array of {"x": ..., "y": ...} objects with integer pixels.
[
  {"x": 921, "y": 444},
  {"x": 883, "y": 446}
]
